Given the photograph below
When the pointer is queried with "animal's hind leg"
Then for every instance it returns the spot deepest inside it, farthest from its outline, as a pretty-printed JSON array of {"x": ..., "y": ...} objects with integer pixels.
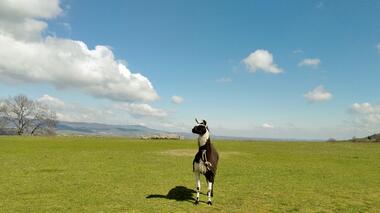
[
  {"x": 197, "y": 185},
  {"x": 210, "y": 182},
  {"x": 212, "y": 189},
  {"x": 209, "y": 192}
]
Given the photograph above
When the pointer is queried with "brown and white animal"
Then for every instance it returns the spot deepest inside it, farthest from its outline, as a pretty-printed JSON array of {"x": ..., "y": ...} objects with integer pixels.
[{"x": 205, "y": 161}]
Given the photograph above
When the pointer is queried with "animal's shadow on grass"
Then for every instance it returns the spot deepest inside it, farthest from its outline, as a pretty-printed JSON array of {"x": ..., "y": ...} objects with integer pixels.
[{"x": 178, "y": 193}]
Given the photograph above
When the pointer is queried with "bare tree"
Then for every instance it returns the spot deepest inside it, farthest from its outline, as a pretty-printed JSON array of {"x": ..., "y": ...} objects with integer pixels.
[
  {"x": 44, "y": 120},
  {"x": 27, "y": 116},
  {"x": 17, "y": 111},
  {"x": 3, "y": 123},
  {"x": 3, "y": 120}
]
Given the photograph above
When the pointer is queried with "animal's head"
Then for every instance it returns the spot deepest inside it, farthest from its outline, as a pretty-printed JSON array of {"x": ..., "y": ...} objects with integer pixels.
[{"x": 201, "y": 127}]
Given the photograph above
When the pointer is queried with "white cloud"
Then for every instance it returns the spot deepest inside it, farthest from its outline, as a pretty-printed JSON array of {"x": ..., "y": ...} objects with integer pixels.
[
  {"x": 74, "y": 112},
  {"x": 261, "y": 60},
  {"x": 378, "y": 47},
  {"x": 364, "y": 108},
  {"x": 177, "y": 99},
  {"x": 267, "y": 126},
  {"x": 51, "y": 102},
  {"x": 26, "y": 56},
  {"x": 30, "y": 8},
  {"x": 137, "y": 109},
  {"x": 366, "y": 117},
  {"x": 298, "y": 51},
  {"x": 116, "y": 114},
  {"x": 19, "y": 18},
  {"x": 223, "y": 80},
  {"x": 318, "y": 94},
  {"x": 311, "y": 62}
]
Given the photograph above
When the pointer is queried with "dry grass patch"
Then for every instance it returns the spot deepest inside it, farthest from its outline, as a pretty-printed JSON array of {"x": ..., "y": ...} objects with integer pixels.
[{"x": 180, "y": 152}]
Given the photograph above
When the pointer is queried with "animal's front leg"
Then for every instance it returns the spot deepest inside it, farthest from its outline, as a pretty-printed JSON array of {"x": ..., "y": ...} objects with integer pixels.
[
  {"x": 209, "y": 192},
  {"x": 198, "y": 186}
]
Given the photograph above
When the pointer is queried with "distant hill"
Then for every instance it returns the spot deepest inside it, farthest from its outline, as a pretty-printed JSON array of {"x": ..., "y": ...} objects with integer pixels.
[
  {"x": 375, "y": 137},
  {"x": 371, "y": 138},
  {"x": 100, "y": 129},
  {"x": 82, "y": 128}
]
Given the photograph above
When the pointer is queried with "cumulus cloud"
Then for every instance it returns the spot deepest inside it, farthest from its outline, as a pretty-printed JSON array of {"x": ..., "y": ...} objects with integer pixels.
[
  {"x": 177, "y": 99},
  {"x": 30, "y": 8},
  {"x": 366, "y": 116},
  {"x": 116, "y": 114},
  {"x": 75, "y": 112},
  {"x": 20, "y": 18},
  {"x": 364, "y": 108},
  {"x": 310, "y": 62},
  {"x": 26, "y": 56},
  {"x": 138, "y": 109},
  {"x": 261, "y": 60},
  {"x": 298, "y": 51},
  {"x": 51, "y": 101},
  {"x": 267, "y": 126},
  {"x": 318, "y": 94},
  {"x": 120, "y": 114},
  {"x": 223, "y": 80}
]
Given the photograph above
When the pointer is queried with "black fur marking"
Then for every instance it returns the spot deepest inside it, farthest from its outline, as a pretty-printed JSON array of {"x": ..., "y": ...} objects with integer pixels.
[
  {"x": 209, "y": 203},
  {"x": 200, "y": 129},
  {"x": 210, "y": 176},
  {"x": 212, "y": 156},
  {"x": 198, "y": 156}
]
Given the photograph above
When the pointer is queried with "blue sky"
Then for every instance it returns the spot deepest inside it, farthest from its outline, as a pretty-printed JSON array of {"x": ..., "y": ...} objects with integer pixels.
[{"x": 278, "y": 69}]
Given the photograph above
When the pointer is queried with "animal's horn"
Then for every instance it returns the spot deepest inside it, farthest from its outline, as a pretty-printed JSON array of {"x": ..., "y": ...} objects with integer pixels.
[{"x": 196, "y": 120}]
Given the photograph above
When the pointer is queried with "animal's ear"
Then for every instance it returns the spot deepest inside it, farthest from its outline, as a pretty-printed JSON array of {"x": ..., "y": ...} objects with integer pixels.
[
  {"x": 204, "y": 122},
  {"x": 196, "y": 120}
]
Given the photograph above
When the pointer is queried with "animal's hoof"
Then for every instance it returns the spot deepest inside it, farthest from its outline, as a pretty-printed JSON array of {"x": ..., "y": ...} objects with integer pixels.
[
  {"x": 196, "y": 202},
  {"x": 209, "y": 203}
]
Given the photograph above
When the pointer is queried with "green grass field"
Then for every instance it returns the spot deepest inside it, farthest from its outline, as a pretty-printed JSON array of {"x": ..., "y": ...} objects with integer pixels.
[{"x": 90, "y": 174}]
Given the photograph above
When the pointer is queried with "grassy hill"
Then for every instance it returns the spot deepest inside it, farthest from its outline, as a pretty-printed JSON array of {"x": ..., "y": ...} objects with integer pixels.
[{"x": 94, "y": 174}]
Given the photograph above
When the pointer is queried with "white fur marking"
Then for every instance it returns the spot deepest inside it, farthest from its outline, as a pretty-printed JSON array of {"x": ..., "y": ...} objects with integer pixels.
[
  {"x": 209, "y": 187},
  {"x": 197, "y": 183},
  {"x": 202, "y": 139},
  {"x": 200, "y": 167}
]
